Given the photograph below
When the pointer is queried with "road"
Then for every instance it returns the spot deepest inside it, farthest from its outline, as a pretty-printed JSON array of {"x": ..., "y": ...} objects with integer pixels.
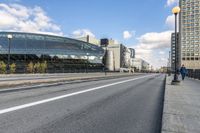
[{"x": 121, "y": 105}]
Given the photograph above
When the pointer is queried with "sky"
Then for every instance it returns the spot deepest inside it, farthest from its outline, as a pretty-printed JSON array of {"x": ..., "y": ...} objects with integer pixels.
[{"x": 144, "y": 25}]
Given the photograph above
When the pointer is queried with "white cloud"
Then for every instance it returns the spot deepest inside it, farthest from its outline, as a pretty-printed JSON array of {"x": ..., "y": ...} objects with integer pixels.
[
  {"x": 16, "y": 17},
  {"x": 171, "y": 2},
  {"x": 128, "y": 34},
  {"x": 170, "y": 22},
  {"x": 82, "y": 33},
  {"x": 155, "y": 40},
  {"x": 162, "y": 52},
  {"x": 152, "y": 47}
]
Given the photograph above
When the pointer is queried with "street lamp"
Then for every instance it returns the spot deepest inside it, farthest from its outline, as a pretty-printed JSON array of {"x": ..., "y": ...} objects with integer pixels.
[
  {"x": 87, "y": 62},
  {"x": 105, "y": 59},
  {"x": 169, "y": 65},
  {"x": 175, "y": 11},
  {"x": 9, "y": 43}
]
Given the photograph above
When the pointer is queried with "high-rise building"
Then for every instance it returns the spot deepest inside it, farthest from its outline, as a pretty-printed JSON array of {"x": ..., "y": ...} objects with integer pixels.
[
  {"x": 90, "y": 39},
  {"x": 141, "y": 65},
  {"x": 189, "y": 26},
  {"x": 119, "y": 56},
  {"x": 105, "y": 42},
  {"x": 132, "y": 52},
  {"x": 173, "y": 52}
]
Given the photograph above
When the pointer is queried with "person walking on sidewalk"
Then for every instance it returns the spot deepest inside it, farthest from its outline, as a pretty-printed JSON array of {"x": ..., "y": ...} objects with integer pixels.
[{"x": 183, "y": 72}]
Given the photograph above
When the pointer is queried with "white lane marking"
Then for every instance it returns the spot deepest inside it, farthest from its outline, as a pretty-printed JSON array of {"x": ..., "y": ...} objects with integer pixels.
[{"x": 15, "y": 108}]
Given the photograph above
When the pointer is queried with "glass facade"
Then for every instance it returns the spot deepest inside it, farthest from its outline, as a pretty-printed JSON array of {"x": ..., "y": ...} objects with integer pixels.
[{"x": 39, "y": 44}]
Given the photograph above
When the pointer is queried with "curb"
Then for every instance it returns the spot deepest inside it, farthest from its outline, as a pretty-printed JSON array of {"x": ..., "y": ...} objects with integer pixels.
[
  {"x": 164, "y": 100},
  {"x": 62, "y": 83}
]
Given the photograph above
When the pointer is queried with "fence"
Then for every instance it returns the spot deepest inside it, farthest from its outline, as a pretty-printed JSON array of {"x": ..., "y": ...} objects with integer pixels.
[{"x": 194, "y": 73}]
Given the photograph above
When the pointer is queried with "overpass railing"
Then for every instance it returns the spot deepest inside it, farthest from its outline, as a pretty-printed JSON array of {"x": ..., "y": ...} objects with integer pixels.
[{"x": 194, "y": 73}]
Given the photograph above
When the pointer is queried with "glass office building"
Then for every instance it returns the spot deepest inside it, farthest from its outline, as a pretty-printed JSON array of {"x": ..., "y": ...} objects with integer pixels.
[
  {"x": 61, "y": 53},
  {"x": 190, "y": 33}
]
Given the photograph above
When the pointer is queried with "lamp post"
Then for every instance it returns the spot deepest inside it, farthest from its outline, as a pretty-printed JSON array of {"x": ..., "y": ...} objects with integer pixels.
[
  {"x": 87, "y": 62},
  {"x": 105, "y": 59},
  {"x": 169, "y": 68},
  {"x": 9, "y": 43},
  {"x": 176, "y": 11}
]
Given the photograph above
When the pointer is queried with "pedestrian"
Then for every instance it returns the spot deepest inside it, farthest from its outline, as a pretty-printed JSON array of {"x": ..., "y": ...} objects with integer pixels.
[{"x": 183, "y": 72}]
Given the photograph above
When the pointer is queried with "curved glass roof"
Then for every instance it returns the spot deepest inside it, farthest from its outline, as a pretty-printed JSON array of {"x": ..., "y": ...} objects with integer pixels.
[{"x": 31, "y": 43}]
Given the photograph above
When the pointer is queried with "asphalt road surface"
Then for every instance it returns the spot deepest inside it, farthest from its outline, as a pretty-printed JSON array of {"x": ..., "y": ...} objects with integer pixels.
[{"x": 121, "y": 105}]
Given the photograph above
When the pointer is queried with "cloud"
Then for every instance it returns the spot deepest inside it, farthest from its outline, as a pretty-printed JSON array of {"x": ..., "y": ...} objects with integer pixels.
[
  {"x": 171, "y": 2},
  {"x": 152, "y": 47},
  {"x": 170, "y": 20},
  {"x": 16, "y": 17},
  {"x": 155, "y": 40},
  {"x": 82, "y": 33},
  {"x": 128, "y": 34},
  {"x": 162, "y": 52}
]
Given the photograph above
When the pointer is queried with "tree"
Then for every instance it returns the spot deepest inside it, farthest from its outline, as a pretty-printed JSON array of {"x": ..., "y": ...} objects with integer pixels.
[
  {"x": 12, "y": 68},
  {"x": 30, "y": 67},
  {"x": 43, "y": 67},
  {"x": 37, "y": 67},
  {"x": 2, "y": 67}
]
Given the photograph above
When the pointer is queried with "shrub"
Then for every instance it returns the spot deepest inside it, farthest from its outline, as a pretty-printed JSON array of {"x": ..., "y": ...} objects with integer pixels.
[
  {"x": 12, "y": 68},
  {"x": 37, "y": 67},
  {"x": 30, "y": 67},
  {"x": 2, "y": 67},
  {"x": 43, "y": 67}
]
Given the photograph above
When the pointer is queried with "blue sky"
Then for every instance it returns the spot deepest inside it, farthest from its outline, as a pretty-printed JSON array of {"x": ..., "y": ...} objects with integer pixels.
[
  {"x": 105, "y": 18},
  {"x": 143, "y": 20}
]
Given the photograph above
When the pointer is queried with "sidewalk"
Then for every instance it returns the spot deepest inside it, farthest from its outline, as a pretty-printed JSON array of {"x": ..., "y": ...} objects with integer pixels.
[{"x": 181, "y": 112}]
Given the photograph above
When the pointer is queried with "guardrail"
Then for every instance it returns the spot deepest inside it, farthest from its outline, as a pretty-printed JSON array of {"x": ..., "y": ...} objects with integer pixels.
[{"x": 194, "y": 73}]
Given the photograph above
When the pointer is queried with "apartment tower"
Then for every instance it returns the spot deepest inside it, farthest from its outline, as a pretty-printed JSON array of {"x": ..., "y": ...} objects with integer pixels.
[{"x": 189, "y": 25}]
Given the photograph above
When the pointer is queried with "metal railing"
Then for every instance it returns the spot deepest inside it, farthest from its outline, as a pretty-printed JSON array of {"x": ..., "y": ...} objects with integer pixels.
[{"x": 194, "y": 73}]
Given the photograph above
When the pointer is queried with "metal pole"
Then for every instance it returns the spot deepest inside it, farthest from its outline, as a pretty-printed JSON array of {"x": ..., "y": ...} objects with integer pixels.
[
  {"x": 105, "y": 61},
  {"x": 169, "y": 63},
  {"x": 176, "y": 74},
  {"x": 8, "y": 64},
  {"x": 87, "y": 64}
]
